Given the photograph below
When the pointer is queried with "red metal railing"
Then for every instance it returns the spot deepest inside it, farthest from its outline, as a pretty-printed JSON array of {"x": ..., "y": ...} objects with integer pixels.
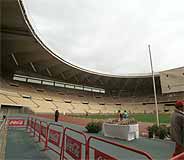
[
  {"x": 57, "y": 143},
  {"x": 72, "y": 141},
  {"x": 58, "y": 139},
  {"x": 15, "y": 121},
  {"x": 178, "y": 157},
  {"x": 115, "y": 144}
]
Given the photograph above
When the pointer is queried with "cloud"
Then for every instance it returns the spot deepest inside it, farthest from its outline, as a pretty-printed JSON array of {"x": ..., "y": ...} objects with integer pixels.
[{"x": 112, "y": 36}]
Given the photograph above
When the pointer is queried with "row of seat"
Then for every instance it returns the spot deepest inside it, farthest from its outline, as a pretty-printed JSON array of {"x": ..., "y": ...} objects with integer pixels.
[
  {"x": 43, "y": 106},
  {"x": 43, "y": 99}
]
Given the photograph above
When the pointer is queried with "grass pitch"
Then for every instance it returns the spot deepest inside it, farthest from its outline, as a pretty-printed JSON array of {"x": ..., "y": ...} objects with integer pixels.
[{"x": 164, "y": 118}]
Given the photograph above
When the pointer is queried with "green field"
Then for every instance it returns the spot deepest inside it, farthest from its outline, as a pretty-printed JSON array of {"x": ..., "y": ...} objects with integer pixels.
[{"x": 164, "y": 118}]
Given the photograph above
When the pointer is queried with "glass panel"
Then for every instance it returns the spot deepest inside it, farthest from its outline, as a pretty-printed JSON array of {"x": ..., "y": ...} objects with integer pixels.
[
  {"x": 87, "y": 89},
  {"x": 19, "y": 79},
  {"x": 96, "y": 90},
  {"x": 102, "y": 91},
  {"x": 59, "y": 84},
  {"x": 69, "y": 86},
  {"x": 34, "y": 81},
  {"x": 48, "y": 83},
  {"x": 79, "y": 87}
]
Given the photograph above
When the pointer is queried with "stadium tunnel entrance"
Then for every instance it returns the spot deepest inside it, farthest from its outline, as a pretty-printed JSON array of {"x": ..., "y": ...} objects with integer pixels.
[{"x": 12, "y": 109}]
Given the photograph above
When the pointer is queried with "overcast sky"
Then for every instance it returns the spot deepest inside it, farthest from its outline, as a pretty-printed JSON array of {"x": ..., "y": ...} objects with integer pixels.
[{"x": 112, "y": 36}]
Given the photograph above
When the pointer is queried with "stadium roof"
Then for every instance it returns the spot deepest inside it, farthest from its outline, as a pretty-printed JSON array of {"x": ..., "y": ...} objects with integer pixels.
[{"x": 24, "y": 52}]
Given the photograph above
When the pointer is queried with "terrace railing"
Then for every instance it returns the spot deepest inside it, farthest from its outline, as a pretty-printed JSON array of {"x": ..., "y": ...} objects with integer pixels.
[{"x": 69, "y": 143}]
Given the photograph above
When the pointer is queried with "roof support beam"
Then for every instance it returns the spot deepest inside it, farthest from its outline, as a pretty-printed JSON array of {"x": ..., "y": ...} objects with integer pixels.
[
  {"x": 15, "y": 31},
  {"x": 49, "y": 72},
  {"x": 71, "y": 74},
  {"x": 76, "y": 78},
  {"x": 14, "y": 59},
  {"x": 33, "y": 67},
  {"x": 63, "y": 75}
]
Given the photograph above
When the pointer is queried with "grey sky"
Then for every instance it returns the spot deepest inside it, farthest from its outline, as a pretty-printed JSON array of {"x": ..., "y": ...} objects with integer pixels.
[{"x": 111, "y": 36}]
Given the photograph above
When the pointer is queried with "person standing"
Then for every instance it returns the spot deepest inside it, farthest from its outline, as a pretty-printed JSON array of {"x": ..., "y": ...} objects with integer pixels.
[
  {"x": 120, "y": 116},
  {"x": 56, "y": 115},
  {"x": 177, "y": 127},
  {"x": 125, "y": 114},
  {"x": 4, "y": 117}
]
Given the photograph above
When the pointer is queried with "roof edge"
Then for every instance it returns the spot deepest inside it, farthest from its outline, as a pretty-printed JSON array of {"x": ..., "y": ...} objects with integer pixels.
[{"x": 37, "y": 38}]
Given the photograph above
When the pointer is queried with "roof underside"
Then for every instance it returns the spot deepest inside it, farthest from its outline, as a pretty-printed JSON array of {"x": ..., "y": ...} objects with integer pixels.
[{"x": 24, "y": 53}]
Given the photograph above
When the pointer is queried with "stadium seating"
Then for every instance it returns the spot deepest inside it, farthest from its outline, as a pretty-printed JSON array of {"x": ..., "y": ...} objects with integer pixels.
[
  {"x": 46, "y": 99},
  {"x": 5, "y": 100}
]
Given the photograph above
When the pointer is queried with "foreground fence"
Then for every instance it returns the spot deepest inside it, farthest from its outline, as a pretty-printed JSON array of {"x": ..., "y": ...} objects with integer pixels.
[
  {"x": 74, "y": 145},
  {"x": 54, "y": 135},
  {"x": 179, "y": 157},
  {"x": 94, "y": 152},
  {"x": 71, "y": 144}
]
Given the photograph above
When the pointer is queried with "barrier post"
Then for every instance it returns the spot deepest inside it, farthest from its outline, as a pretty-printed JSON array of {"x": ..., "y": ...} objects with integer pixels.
[
  {"x": 34, "y": 127},
  {"x": 27, "y": 126},
  {"x": 46, "y": 141},
  {"x": 62, "y": 148},
  {"x": 39, "y": 137},
  {"x": 31, "y": 125},
  {"x": 37, "y": 128},
  {"x": 41, "y": 131},
  {"x": 87, "y": 150}
]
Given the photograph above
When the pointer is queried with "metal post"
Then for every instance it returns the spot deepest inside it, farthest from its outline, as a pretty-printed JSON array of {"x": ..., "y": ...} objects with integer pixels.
[
  {"x": 46, "y": 137},
  {"x": 155, "y": 94}
]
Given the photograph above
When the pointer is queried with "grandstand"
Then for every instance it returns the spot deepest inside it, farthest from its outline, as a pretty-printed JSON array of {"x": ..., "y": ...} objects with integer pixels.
[
  {"x": 48, "y": 99},
  {"x": 34, "y": 80}
]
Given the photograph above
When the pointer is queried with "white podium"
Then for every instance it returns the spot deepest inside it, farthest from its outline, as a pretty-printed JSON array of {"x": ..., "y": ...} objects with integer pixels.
[{"x": 125, "y": 132}]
